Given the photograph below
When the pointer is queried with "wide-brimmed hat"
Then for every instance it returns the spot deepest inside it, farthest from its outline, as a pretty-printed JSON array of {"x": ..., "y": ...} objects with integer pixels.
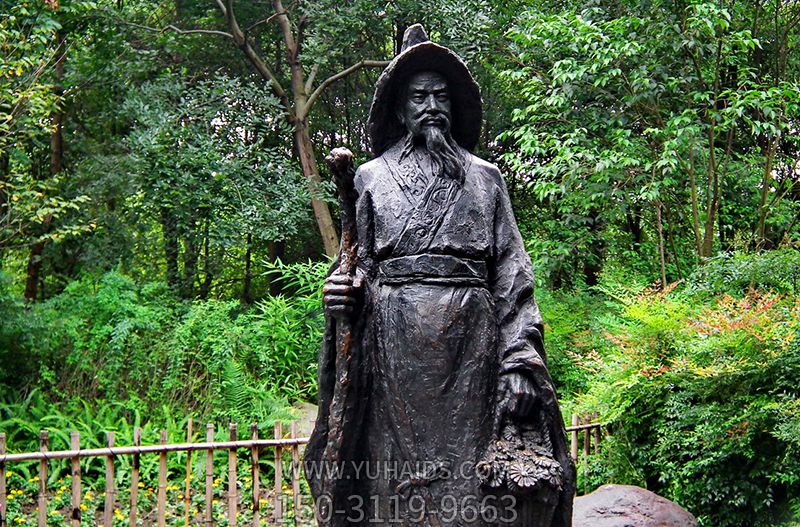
[{"x": 420, "y": 54}]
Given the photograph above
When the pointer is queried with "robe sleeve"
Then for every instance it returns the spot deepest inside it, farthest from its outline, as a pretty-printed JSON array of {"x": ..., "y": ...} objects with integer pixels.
[
  {"x": 520, "y": 328},
  {"x": 521, "y": 343}
]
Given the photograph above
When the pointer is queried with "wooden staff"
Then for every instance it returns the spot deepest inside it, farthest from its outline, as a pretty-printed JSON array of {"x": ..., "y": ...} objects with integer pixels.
[{"x": 340, "y": 162}]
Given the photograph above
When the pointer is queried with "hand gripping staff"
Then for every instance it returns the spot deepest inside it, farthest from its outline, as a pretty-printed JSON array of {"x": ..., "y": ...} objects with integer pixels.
[{"x": 340, "y": 163}]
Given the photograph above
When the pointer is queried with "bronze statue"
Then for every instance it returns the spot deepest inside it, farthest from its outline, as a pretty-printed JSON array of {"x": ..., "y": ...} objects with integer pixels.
[{"x": 442, "y": 411}]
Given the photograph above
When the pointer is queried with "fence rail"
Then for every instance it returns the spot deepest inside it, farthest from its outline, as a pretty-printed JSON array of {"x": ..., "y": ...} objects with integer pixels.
[
  {"x": 588, "y": 431},
  {"x": 582, "y": 428},
  {"x": 279, "y": 444}
]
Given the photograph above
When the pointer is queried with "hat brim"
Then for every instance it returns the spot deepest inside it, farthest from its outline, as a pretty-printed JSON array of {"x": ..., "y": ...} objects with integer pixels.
[{"x": 383, "y": 126}]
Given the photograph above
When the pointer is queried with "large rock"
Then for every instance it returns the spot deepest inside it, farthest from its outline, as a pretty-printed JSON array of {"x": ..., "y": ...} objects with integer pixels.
[{"x": 628, "y": 506}]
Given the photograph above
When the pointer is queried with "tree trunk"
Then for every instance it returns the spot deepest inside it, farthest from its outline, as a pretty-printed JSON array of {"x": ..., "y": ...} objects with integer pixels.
[
  {"x": 302, "y": 140},
  {"x": 170, "y": 234},
  {"x": 766, "y": 183},
  {"x": 671, "y": 238},
  {"x": 593, "y": 263},
  {"x": 190, "y": 257},
  {"x": 33, "y": 271},
  {"x": 322, "y": 213},
  {"x": 4, "y": 169},
  {"x": 247, "y": 294},
  {"x": 205, "y": 287},
  {"x": 33, "y": 275},
  {"x": 633, "y": 219},
  {"x": 661, "y": 259},
  {"x": 712, "y": 200},
  {"x": 277, "y": 251},
  {"x": 695, "y": 206}
]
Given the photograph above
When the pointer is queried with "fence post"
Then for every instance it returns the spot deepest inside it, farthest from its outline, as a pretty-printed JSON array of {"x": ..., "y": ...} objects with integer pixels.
[
  {"x": 3, "y": 500},
  {"x": 75, "y": 444},
  {"x": 188, "y": 486},
  {"x": 587, "y": 437},
  {"x": 44, "y": 441},
  {"x": 295, "y": 474},
  {"x": 574, "y": 442},
  {"x": 256, "y": 475},
  {"x": 232, "y": 497},
  {"x": 108, "y": 507},
  {"x": 278, "y": 475},
  {"x": 209, "y": 475},
  {"x": 162, "y": 483},
  {"x": 137, "y": 441},
  {"x": 596, "y": 417}
]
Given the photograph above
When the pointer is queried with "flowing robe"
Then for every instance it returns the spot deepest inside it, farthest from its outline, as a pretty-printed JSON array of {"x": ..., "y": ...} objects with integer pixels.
[{"x": 448, "y": 307}]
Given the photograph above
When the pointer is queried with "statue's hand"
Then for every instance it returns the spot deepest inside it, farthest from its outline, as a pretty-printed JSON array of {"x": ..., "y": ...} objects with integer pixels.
[
  {"x": 517, "y": 395},
  {"x": 340, "y": 294}
]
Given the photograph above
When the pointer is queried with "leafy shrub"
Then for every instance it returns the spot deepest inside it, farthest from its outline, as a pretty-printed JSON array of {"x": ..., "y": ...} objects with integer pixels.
[
  {"x": 236, "y": 362},
  {"x": 777, "y": 270},
  {"x": 109, "y": 341},
  {"x": 572, "y": 337},
  {"x": 701, "y": 395}
]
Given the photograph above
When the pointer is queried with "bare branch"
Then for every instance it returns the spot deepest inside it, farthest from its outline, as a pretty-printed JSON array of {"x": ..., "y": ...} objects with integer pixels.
[
  {"x": 180, "y": 31},
  {"x": 267, "y": 20},
  {"x": 292, "y": 51},
  {"x": 243, "y": 43},
  {"x": 303, "y": 113},
  {"x": 222, "y": 8},
  {"x": 311, "y": 76}
]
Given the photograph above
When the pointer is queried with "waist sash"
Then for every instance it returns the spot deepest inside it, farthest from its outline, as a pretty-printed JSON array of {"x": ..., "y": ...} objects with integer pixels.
[{"x": 433, "y": 269}]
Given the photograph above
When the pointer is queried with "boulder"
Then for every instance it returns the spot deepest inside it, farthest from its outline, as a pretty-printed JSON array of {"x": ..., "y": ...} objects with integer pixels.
[{"x": 628, "y": 506}]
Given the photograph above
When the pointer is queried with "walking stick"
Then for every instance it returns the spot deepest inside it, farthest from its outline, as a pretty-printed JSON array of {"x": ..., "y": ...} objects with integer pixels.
[{"x": 340, "y": 162}]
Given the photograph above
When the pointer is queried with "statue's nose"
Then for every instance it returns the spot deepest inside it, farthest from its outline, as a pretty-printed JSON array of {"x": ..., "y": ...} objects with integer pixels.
[{"x": 432, "y": 102}]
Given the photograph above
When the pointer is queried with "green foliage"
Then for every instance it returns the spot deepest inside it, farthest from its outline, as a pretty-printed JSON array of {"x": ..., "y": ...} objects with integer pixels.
[
  {"x": 625, "y": 129},
  {"x": 202, "y": 162},
  {"x": 237, "y": 362},
  {"x": 777, "y": 270},
  {"x": 635, "y": 113},
  {"x": 108, "y": 341},
  {"x": 573, "y": 336},
  {"x": 29, "y": 100},
  {"x": 700, "y": 392}
]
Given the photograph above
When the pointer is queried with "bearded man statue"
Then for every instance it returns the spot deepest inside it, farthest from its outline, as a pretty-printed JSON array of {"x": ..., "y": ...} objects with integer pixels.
[{"x": 455, "y": 420}]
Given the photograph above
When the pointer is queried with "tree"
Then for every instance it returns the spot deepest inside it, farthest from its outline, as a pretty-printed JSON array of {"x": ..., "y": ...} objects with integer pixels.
[
  {"x": 34, "y": 47},
  {"x": 646, "y": 107},
  {"x": 201, "y": 163},
  {"x": 297, "y": 93}
]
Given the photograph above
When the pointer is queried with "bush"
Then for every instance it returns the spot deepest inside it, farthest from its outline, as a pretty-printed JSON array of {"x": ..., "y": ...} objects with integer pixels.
[
  {"x": 572, "y": 337},
  {"x": 107, "y": 340},
  {"x": 777, "y": 270},
  {"x": 701, "y": 394}
]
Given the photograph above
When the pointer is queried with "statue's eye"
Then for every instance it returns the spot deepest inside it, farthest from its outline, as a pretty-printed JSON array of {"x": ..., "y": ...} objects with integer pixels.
[
  {"x": 442, "y": 97},
  {"x": 418, "y": 97}
]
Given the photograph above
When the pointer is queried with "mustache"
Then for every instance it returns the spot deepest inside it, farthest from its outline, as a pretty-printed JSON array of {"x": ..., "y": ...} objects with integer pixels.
[{"x": 434, "y": 117}]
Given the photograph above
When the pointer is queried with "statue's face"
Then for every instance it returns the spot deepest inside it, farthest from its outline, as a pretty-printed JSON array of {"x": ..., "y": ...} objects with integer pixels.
[{"x": 426, "y": 104}]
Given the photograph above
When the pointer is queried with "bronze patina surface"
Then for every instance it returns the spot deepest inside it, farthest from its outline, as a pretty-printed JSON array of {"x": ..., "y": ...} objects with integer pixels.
[{"x": 441, "y": 412}]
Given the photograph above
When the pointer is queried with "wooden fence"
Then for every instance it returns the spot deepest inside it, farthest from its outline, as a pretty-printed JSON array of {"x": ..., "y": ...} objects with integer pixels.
[
  {"x": 255, "y": 445},
  {"x": 585, "y": 428}
]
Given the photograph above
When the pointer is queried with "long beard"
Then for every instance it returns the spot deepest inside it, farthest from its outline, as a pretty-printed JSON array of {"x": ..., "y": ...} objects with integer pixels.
[{"x": 442, "y": 150}]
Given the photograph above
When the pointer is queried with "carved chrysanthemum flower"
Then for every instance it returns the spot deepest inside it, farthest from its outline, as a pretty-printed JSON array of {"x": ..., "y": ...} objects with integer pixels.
[{"x": 522, "y": 476}]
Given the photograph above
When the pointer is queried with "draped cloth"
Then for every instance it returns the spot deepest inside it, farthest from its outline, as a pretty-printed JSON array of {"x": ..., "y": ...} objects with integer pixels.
[{"x": 448, "y": 307}]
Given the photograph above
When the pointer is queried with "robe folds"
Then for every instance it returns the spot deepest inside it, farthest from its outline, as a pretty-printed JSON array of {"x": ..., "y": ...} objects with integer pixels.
[{"x": 447, "y": 309}]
